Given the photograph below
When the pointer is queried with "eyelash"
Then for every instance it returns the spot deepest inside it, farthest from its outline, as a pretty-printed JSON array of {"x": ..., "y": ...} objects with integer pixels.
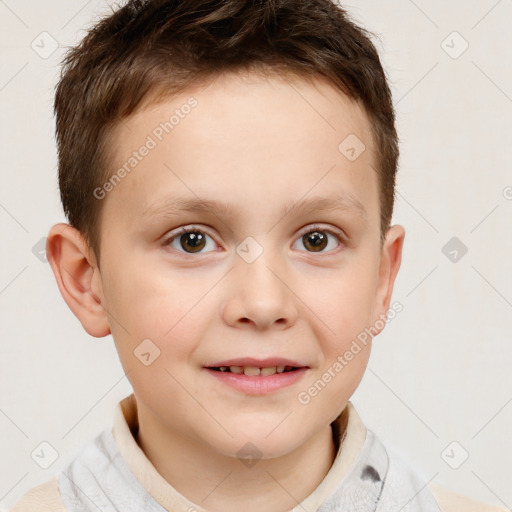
[{"x": 193, "y": 229}]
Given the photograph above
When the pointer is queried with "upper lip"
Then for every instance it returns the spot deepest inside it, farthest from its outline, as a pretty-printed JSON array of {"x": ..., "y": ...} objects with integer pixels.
[{"x": 258, "y": 363}]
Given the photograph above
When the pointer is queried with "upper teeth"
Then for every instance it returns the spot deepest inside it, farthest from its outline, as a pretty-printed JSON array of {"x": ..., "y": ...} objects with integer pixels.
[{"x": 253, "y": 370}]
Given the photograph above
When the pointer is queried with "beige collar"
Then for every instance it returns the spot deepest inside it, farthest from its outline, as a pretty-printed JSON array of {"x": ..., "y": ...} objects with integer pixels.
[{"x": 125, "y": 427}]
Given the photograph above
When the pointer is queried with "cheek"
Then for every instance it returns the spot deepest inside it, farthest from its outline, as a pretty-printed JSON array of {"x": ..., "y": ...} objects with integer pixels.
[
  {"x": 172, "y": 310},
  {"x": 346, "y": 308},
  {"x": 343, "y": 303},
  {"x": 148, "y": 302}
]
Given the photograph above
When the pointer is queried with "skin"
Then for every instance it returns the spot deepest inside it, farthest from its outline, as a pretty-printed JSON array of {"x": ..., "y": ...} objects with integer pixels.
[{"x": 257, "y": 143}]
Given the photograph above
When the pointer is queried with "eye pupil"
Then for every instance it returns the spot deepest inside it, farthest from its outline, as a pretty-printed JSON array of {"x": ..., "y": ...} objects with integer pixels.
[
  {"x": 195, "y": 240},
  {"x": 315, "y": 239}
]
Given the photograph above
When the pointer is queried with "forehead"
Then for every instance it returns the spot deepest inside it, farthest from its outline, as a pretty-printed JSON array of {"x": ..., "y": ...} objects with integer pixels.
[{"x": 259, "y": 144}]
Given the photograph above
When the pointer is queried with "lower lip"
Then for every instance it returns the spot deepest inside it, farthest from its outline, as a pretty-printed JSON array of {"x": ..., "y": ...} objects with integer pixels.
[{"x": 258, "y": 384}]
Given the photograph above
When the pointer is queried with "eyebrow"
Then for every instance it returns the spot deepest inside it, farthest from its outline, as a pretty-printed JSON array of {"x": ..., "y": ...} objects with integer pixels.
[{"x": 173, "y": 206}]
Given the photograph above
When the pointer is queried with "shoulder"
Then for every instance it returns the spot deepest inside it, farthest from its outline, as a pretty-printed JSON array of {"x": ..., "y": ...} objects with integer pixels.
[
  {"x": 450, "y": 501},
  {"x": 447, "y": 500},
  {"x": 42, "y": 498}
]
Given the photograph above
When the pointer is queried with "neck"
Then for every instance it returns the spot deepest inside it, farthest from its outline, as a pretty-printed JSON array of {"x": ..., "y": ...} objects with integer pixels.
[{"x": 221, "y": 483}]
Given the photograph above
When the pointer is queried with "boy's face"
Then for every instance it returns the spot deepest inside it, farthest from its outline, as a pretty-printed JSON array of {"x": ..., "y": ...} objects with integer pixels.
[{"x": 252, "y": 286}]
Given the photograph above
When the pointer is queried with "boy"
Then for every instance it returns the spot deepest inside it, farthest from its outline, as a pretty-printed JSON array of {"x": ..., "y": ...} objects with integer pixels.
[{"x": 228, "y": 172}]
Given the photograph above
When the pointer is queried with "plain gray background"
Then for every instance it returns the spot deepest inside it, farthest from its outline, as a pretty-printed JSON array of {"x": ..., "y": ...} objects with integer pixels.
[{"x": 438, "y": 386}]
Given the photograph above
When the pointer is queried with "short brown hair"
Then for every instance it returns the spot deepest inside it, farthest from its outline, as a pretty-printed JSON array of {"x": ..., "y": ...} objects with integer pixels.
[{"x": 150, "y": 49}]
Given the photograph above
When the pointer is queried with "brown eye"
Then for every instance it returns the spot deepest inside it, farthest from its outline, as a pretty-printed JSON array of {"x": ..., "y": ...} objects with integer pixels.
[
  {"x": 193, "y": 240},
  {"x": 316, "y": 240},
  {"x": 190, "y": 241}
]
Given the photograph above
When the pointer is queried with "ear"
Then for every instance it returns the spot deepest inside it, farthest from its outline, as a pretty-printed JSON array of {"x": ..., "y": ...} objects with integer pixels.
[
  {"x": 390, "y": 259},
  {"x": 78, "y": 277}
]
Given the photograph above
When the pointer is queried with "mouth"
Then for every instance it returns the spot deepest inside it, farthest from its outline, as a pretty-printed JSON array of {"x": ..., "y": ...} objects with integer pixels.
[
  {"x": 254, "y": 371},
  {"x": 257, "y": 377},
  {"x": 253, "y": 367}
]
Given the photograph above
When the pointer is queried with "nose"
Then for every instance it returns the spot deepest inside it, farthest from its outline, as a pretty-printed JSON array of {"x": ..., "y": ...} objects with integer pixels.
[{"x": 259, "y": 297}]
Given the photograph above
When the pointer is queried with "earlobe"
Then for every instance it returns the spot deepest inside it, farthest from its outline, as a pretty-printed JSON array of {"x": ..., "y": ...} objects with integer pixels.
[
  {"x": 391, "y": 257},
  {"x": 74, "y": 269}
]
